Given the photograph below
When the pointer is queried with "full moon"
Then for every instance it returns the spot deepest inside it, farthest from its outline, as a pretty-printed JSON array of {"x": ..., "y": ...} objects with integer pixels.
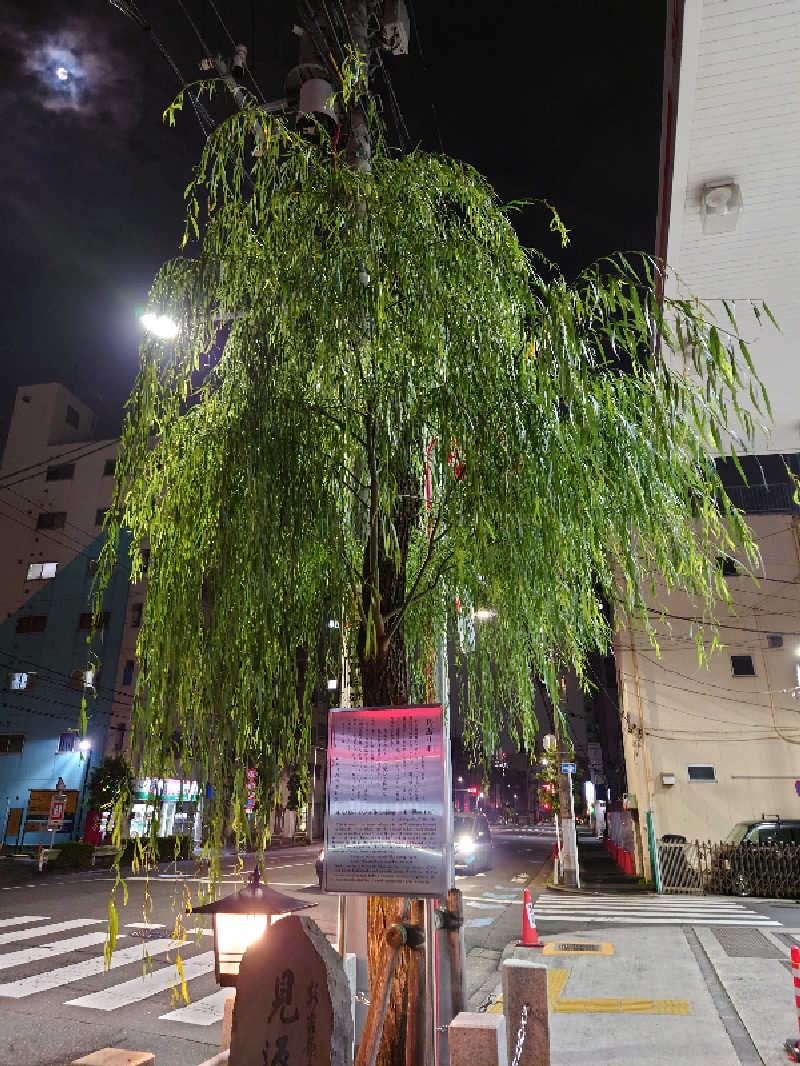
[{"x": 62, "y": 73}]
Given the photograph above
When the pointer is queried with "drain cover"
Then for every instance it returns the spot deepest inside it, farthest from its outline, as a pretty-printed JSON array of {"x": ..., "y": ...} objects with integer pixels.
[
  {"x": 566, "y": 947},
  {"x": 746, "y": 944}
]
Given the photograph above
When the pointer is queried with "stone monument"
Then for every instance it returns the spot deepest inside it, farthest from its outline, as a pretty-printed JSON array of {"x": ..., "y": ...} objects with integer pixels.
[{"x": 292, "y": 1001}]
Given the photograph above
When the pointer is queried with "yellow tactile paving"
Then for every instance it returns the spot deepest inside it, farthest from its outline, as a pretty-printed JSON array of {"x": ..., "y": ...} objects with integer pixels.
[{"x": 557, "y": 982}]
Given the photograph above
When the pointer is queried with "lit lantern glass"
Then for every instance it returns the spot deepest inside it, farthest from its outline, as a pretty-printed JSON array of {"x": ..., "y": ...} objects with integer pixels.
[{"x": 242, "y": 919}]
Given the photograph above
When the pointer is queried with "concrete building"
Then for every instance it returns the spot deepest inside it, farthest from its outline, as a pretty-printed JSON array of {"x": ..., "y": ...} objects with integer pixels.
[
  {"x": 56, "y": 479},
  {"x": 709, "y": 746}
]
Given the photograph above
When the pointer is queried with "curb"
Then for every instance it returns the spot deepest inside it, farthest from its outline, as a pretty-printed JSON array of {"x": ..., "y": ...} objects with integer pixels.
[{"x": 597, "y": 891}]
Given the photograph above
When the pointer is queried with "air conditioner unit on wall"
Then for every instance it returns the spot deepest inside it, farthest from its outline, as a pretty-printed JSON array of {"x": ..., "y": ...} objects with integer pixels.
[{"x": 668, "y": 779}]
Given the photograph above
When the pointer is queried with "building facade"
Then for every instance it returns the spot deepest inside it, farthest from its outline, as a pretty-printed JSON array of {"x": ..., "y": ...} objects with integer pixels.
[
  {"x": 56, "y": 480},
  {"x": 711, "y": 745}
]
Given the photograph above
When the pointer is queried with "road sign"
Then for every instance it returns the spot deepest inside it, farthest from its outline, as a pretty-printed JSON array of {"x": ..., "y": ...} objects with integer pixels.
[
  {"x": 386, "y": 829},
  {"x": 568, "y": 768},
  {"x": 58, "y": 805}
]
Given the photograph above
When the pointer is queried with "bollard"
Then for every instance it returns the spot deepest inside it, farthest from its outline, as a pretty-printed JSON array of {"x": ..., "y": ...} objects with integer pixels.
[
  {"x": 792, "y": 1046},
  {"x": 477, "y": 1040},
  {"x": 525, "y": 985}
]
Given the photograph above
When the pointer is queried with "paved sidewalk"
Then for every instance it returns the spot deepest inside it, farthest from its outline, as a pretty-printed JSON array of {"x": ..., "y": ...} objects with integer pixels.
[
  {"x": 599, "y": 872},
  {"x": 666, "y": 995}
]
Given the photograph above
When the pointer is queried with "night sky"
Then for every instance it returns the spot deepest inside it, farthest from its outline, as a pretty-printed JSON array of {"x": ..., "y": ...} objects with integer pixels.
[{"x": 561, "y": 101}]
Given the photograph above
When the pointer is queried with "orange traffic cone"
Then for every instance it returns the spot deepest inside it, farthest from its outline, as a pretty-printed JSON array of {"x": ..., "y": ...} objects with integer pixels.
[{"x": 530, "y": 938}]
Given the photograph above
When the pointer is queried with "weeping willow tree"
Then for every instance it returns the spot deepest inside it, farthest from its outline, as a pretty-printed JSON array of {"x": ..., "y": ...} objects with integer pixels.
[{"x": 380, "y": 408}]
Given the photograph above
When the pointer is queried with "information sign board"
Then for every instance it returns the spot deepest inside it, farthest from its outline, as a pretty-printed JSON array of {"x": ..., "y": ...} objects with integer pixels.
[
  {"x": 386, "y": 825},
  {"x": 55, "y": 817},
  {"x": 568, "y": 768}
]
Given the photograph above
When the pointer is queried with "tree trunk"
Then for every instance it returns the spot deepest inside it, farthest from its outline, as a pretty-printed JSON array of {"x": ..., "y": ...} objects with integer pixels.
[{"x": 384, "y": 683}]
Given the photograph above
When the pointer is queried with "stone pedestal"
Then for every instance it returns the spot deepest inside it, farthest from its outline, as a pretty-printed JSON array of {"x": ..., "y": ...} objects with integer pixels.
[
  {"x": 477, "y": 1040},
  {"x": 526, "y": 982},
  {"x": 293, "y": 1000}
]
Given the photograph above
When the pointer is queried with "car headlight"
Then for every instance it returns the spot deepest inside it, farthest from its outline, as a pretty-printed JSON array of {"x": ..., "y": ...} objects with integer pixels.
[{"x": 465, "y": 845}]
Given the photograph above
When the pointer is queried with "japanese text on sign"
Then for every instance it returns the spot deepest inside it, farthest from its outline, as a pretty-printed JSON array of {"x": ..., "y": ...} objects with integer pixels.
[{"x": 386, "y": 827}]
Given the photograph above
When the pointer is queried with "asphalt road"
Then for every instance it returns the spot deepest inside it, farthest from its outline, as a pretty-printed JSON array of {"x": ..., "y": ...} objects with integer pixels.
[{"x": 57, "y": 1002}]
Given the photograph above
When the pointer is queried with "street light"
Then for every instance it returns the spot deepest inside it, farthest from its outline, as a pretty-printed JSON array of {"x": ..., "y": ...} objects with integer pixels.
[
  {"x": 161, "y": 326},
  {"x": 241, "y": 919}
]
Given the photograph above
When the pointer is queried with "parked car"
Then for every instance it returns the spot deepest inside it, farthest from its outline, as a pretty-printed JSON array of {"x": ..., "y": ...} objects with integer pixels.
[
  {"x": 759, "y": 858},
  {"x": 473, "y": 842}
]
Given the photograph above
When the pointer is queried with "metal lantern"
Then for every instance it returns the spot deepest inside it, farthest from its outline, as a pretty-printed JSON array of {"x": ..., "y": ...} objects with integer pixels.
[{"x": 240, "y": 919}]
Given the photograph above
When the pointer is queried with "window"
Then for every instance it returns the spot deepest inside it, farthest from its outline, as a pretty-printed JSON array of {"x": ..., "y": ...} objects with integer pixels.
[
  {"x": 11, "y": 743},
  {"x": 108, "y": 469},
  {"x": 61, "y": 472},
  {"x": 136, "y": 614},
  {"x": 727, "y": 566},
  {"x": 91, "y": 567},
  {"x": 51, "y": 520},
  {"x": 127, "y": 673},
  {"x": 81, "y": 679},
  {"x": 99, "y": 515},
  {"x": 19, "y": 680},
  {"x": 32, "y": 623},
  {"x": 742, "y": 666},
  {"x": 73, "y": 417},
  {"x": 41, "y": 571},
  {"x": 100, "y": 620},
  {"x": 66, "y": 742},
  {"x": 700, "y": 772}
]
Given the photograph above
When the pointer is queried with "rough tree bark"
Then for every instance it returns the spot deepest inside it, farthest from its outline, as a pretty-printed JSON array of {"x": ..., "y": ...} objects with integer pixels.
[{"x": 384, "y": 682}]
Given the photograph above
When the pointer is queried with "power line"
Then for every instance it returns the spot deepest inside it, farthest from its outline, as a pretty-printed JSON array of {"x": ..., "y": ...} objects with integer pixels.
[
  {"x": 247, "y": 70},
  {"x": 58, "y": 678},
  {"x": 426, "y": 69},
  {"x": 51, "y": 460}
]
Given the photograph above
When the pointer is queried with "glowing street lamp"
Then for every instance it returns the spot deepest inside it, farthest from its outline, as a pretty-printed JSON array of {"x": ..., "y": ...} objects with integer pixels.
[
  {"x": 242, "y": 919},
  {"x": 161, "y": 326}
]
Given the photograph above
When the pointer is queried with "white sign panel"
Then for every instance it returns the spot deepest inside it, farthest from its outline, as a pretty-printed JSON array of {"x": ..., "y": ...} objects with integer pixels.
[{"x": 386, "y": 829}]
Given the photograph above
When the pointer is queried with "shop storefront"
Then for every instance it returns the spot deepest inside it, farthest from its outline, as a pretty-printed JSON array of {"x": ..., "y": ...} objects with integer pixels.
[{"x": 175, "y": 804}]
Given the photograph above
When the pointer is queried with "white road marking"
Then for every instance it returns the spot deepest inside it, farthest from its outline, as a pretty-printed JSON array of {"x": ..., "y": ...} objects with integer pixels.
[
  {"x": 616, "y": 919},
  {"x": 145, "y": 925},
  {"x": 140, "y": 988},
  {"x": 78, "y": 971},
  {"x": 204, "y": 1011},
  {"x": 46, "y": 930},
  {"x": 47, "y": 951},
  {"x": 24, "y": 919},
  {"x": 488, "y": 906},
  {"x": 475, "y": 923}
]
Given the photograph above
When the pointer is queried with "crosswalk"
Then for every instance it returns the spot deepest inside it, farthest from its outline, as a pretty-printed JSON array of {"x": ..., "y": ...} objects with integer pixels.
[
  {"x": 141, "y": 966},
  {"x": 551, "y": 907}
]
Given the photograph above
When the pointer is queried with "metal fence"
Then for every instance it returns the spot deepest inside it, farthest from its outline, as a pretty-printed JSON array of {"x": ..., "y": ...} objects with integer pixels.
[{"x": 707, "y": 868}]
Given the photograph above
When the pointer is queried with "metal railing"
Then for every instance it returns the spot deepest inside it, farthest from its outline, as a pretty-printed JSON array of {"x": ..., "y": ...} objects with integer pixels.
[{"x": 707, "y": 868}]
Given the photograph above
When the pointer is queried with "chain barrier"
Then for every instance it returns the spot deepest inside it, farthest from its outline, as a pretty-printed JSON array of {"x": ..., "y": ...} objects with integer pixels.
[{"x": 521, "y": 1032}]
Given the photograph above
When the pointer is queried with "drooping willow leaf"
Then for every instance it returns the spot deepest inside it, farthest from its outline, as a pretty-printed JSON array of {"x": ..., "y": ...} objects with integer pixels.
[{"x": 374, "y": 378}]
